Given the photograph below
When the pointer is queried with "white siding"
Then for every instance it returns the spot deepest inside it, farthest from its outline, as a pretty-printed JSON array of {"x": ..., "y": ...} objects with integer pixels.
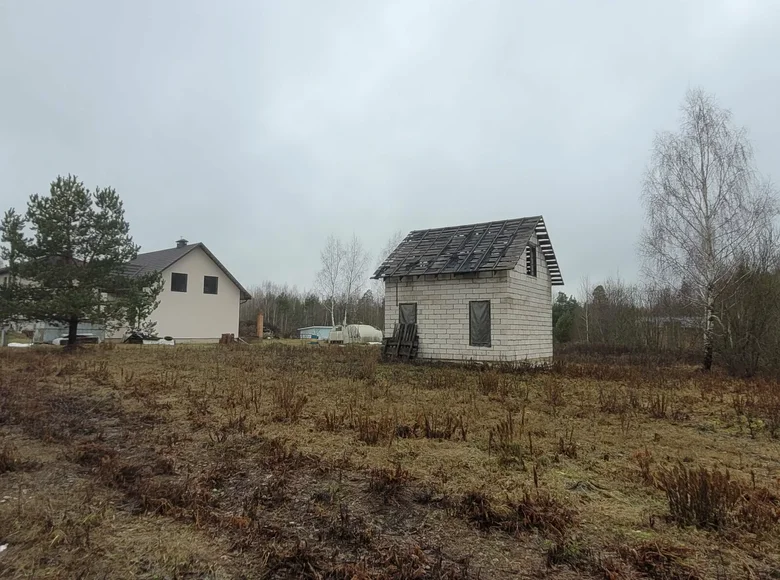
[
  {"x": 193, "y": 315},
  {"x": 520, "y": 309}
]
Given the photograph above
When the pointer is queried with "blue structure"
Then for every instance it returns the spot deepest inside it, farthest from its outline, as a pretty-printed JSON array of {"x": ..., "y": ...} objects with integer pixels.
[{"x": 320, "y": 332}]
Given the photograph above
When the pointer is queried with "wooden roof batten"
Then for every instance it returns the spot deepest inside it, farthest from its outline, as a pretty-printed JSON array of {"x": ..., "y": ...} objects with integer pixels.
[{"x": 500, "y": 246}]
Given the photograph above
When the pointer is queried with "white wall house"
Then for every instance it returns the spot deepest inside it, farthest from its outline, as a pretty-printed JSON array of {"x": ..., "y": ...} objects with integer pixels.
[
  {"x": 200, "y": 298},
  {"x": 479, "y": 292}
]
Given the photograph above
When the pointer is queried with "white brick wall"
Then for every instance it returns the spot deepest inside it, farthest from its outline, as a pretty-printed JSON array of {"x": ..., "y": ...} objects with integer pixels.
[{"x": 520, "y": 310}]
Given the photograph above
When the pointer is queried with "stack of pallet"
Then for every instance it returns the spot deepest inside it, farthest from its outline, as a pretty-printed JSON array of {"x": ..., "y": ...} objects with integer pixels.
[{"x": 403, "y": 344}]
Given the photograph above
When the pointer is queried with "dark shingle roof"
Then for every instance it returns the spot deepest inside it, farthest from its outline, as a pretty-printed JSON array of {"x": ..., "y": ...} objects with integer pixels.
[
  {"x": 490, "y": 246},
  {"x": 162, "y": 259}
]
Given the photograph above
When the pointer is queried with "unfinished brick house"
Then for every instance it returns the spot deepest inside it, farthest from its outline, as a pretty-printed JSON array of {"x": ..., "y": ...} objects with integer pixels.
[{"x": 479, "y": 292}]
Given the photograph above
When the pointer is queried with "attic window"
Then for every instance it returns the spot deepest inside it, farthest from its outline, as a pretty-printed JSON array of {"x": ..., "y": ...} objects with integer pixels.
[
  {"x": 210, "y": 284},
  {"x": 530, "y": 260},
  {"x": 178, "y": 282}
]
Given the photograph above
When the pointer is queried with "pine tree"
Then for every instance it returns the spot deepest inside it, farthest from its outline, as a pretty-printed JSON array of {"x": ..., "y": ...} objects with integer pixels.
[{"x": 75, "y": 266}]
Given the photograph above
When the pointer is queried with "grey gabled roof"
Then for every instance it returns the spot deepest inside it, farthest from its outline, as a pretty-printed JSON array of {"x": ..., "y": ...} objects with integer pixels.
[
  {"x": 490, "y": 246},
  {"x": 162, "y": 259}
]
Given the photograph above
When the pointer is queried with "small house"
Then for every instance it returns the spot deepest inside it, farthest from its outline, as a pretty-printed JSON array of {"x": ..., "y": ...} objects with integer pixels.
[
  {"x": 200, "y": 298},
  {"x": 199, "y": 301},
  {"x": 478, "y": 292}
]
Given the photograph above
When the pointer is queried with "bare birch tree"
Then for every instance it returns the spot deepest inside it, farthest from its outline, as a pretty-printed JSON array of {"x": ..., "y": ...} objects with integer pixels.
[
  {"x": 705, "y": 205},
  {"x": 354, "y": 266},
  {"x": 392, "y": 243},
  {"x": 585, "y": 291},
  {"x": 330, "y": 276}
]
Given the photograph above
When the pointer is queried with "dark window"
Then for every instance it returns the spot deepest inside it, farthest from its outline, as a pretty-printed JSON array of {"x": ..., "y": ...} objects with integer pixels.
[
  {"x": 530, "y": 260},
  {"x": 178, "y": 282},
  {"x": 210, "y": 284},
  {"x": 479, "y": 323},
  {"x": 407, "y": 313}
]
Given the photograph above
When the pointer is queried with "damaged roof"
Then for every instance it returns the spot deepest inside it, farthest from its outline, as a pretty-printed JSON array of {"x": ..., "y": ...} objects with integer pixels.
[{"x": 485, "y": 247}]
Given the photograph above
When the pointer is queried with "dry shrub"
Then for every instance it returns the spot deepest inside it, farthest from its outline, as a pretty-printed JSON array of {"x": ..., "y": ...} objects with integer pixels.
[
  {"x": 443, "y": 425},
  {"x": 758, "y": 510},
  {"x": 188, "y": 498},
  {"x": 411, "y": 563},
  {"x": 612, "y": 400},
  {"x": 199, "y": 403},
  {"x": 567, "y": 445},
  {"x": 270, "y": 493},
  {"x": 492, "y": 382},
  {"x": 9, "y": 458},
  {"x": 554, "y": 394},
  {"x": 332, "y": 420},
  {"x": 700, "y": 497},
  {"x": 439, "y": 378},
  {"x": 295, "y": 562},
  {"x": 350, "y": 529},
  {"x": 288, "y": 400},
  {"x": 659, "y": 561},
  {"x": 541, "y": 511},
  {"x": 568, "y": 552},
  {"x": 233, "y": 425},
  {"x": 374, "y": 431},
  {"x": 505, "y": 437},
  {"x": 91, "y": 454},
  {"x": 712, "y": 500},
  {"x": 388, "y": 483},
  {"x": 98, "y": 372},
  {"x": 353, "y": 362},
  {"x": 644, "y": 460},
  {"x": 658, "y": 405},
  {"x": 280, "y": 453},
  {"x": 759, "y": 403}
]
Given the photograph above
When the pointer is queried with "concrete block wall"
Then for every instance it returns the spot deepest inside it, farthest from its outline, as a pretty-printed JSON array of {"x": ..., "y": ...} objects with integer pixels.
[
  {"x": 531, "y": 301},
  {"x": 520, "y": 312}
]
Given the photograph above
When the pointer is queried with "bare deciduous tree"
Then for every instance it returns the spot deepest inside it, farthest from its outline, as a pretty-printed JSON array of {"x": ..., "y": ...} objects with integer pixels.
[
  {"x": 705, "y": 205},
  {"x": 585, "y": 291},
  {"x": 354, "y": 266},
  {"x": 329, "y": 278},
  {"x": 392, "y": 243}
]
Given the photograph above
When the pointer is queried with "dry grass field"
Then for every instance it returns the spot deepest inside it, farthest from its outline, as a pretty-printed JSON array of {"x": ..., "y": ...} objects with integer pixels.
[{"x": 282, "y": 461}]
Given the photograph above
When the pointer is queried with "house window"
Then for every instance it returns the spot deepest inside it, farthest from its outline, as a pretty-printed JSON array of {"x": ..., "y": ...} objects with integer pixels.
[
  {"x": 479, "y": 323},
  {"x": 178, "y": 282},
  {"x": 407, "y": 313},
  {"x": 210, "y": 284},
  {"x": 530, "y": 260}
]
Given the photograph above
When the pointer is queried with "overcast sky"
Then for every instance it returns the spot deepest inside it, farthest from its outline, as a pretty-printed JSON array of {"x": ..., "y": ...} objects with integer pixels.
[{"x": 259, "y": 128}]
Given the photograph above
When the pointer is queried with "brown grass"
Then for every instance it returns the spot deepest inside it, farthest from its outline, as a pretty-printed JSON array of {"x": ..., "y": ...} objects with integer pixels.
[{"x": 284, "y": 461}]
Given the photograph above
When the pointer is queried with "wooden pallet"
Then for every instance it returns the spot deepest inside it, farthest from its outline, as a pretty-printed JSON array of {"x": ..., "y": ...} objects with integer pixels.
[{"x": 403, "y": 344}]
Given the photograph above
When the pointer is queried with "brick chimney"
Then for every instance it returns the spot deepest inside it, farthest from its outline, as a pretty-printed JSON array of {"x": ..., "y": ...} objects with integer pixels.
[{"x": 181, "y": 243}]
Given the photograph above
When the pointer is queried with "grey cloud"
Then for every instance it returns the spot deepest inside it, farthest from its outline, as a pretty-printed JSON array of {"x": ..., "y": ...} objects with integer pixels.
[{"x": 261, "y": 127}]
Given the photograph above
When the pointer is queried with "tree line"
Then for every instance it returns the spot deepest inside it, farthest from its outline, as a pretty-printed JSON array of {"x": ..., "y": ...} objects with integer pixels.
[{"x": 286, "y": 309}]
